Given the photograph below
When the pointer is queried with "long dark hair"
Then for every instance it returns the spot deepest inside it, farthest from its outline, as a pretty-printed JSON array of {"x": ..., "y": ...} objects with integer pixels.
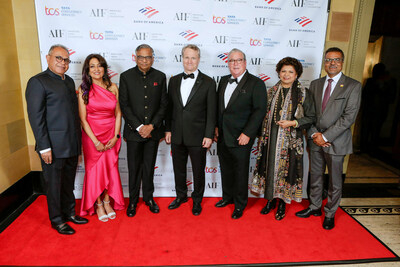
[{"x": 87, "y": 80}]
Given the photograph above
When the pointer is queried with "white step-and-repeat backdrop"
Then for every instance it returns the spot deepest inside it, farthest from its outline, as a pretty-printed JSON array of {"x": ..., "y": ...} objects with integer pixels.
[{"x": 266, "y": 30}]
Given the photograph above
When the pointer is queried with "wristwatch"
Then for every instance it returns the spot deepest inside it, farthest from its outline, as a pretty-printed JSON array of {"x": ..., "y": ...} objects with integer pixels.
[{"x": 118, "y": 136}]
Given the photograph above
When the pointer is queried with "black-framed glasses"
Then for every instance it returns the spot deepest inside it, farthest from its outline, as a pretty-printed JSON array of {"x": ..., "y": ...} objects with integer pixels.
[
  {"x": 336, "y": 60},
  {"x": 233, "y": 61},
  {"x": 141, "y": 58},
  {"x": 61, "y": 59}
]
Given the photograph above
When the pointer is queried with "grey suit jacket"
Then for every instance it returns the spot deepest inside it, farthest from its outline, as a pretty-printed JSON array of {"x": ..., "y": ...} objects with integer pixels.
[{"x": 339, "y": 114}]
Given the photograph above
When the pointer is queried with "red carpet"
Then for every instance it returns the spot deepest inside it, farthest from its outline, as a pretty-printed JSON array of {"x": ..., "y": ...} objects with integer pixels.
[{"x": 176, "y": 237}]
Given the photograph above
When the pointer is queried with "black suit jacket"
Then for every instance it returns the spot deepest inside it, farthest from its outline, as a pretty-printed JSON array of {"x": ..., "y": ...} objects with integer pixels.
[
  {"x": 245, "y": 111},
  {"x": 53, "y": 114},
  {"x": 191, "y": 122},
  {"x": 143, "y": 100}
]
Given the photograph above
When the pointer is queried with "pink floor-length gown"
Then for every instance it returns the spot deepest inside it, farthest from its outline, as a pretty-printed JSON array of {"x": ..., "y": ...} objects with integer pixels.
[{"x": 101, "y": 168}]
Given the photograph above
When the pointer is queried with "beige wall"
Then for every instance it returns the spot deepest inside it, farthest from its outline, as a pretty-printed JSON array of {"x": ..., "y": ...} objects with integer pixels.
[
  {"x": 14, "y": 155},
  {"x": 20, "y": 59}
]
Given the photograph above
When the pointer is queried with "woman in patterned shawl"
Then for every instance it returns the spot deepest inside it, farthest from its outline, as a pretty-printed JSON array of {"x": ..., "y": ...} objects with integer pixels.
[{"x": 279, "y": 168}]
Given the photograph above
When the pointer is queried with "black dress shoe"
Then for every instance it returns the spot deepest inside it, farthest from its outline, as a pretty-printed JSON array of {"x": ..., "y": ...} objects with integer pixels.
[
  {"x": 223, "y": 203},
  {"x": 237, "y": 213},
  {"x": 177, "y": 202},
  {"x": 64, "y": 229},
  {"x": 196, "y": 209},
  {"x": 131, "y": 210},
  {"x": 76, "y": 219},
  {"x": 329, "y": 223},
  {"x": 308, "y": 212},
  {"x": 270, "y": 206},
  {"x": 280, "y": 213},
  {"x": 153, "y": 206}
]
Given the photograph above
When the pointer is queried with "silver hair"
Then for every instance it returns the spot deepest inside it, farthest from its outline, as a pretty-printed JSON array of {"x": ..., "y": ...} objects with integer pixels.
[
  {"x": 58, "y": 45},
  {"x": 191, "y": 46},
  {"x": 237, "y": 50},
  {"x": 144, "y": 46}
]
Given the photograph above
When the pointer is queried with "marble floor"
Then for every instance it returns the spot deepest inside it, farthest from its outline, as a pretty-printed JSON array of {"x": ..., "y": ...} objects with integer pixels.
[{"x": 380, "y": 215}]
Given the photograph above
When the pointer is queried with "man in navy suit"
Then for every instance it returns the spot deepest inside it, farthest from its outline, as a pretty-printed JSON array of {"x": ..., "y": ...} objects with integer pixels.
[{"x": 53, "y": 114}]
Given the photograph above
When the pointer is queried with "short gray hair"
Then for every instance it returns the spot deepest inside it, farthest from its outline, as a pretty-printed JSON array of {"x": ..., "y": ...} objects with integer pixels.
[
  {"x": 144, "y": 46},
  {"x": 57, "y": 45},
  {"x": 191, "y": 46},
  {"x": 237, "y": 50}
]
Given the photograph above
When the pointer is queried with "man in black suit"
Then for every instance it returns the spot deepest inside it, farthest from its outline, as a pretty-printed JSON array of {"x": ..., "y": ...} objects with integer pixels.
[
  {"x": 190, "y": 125},
  {"x": 53, "y": 114},
  {"x": 242, "y": 103},
  {"x": 143, "y": 100}
]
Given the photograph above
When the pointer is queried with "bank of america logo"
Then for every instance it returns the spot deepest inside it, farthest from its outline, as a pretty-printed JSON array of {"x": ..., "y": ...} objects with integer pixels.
[
  {"x": 303, "y": 21},
  {"x": 111, "y": 73},
  {"x": 189, "y": 183},
  {"x": 71, "y": 52},
  {"x": 269, "y": 1},
  {"x": 224, "y": 57},
  {"x": 254, "y": 150},
  {"x": 188, "y": 35},
  {"x": 264, "y": 77},
  {"x": 148, "y": 11}
]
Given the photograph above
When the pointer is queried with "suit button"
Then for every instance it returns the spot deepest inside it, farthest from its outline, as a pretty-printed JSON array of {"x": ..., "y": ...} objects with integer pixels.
[
  {"x": 145, "y": 96},
  {"x": 145, "y": 107},
  {"x": 144, "y": 77},
  {"x": 145, "y": 86},
  {"x": 145, "y": 118}
]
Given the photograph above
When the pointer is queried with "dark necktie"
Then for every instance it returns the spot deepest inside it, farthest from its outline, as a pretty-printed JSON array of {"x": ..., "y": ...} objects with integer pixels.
[
  {"x": 327, "y": 94},
  {"x": 232, "y": 80},
  {"x": 185, "y": 76}
]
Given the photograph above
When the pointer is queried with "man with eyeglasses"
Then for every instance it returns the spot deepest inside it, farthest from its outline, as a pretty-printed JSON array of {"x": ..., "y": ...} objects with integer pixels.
[
  {"x": 242, "y": 105},
  {"x": 143, "y": 100},
  {"x": 337, "y": 100},
  {"x": 52, "y": 107},
  {"x": 190, "y": 125}
]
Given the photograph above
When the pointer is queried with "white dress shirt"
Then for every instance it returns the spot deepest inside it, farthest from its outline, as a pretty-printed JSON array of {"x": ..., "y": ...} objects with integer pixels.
[
  {"x": 187, "y": 85},
  {"x": 230, "y": 88}
]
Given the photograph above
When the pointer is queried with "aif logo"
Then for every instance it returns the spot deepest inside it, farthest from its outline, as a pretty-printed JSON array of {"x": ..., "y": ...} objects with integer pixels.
[
  {"x": 71, "y": 52},
  {"x": 111, "y": 73},
  {"x": 148, "y": 11},
  {"x": 56, "y": 33},
  {"x": 255, "y": 42},
  {"x": 188, "y": 35},
  {"x": 224, "y": 57},
  {"x": 264, "y": 77},
  {"x": 303, "y": 21},
  {"x": 96, "y": 35},
  {"x": 49, "y": 11}
]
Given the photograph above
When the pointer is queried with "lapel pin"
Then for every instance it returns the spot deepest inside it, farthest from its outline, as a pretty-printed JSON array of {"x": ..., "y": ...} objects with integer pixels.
[{"x": 341, "y": 85}]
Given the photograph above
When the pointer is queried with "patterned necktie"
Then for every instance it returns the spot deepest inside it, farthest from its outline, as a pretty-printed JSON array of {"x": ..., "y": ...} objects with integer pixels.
[{"x": 327, "y": 94}]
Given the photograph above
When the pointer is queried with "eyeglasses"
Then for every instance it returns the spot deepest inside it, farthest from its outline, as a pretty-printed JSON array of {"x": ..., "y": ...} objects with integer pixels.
[
  {"x": 141, "y": 58},
  {"x": 233, "y": 61},
  {"x": 336, "y": 60},
  {"x": 61, "y": 59}
]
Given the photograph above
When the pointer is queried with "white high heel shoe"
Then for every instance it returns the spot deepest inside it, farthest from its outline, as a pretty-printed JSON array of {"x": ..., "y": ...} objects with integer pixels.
[
  {"x": 112, "y": 215},
  {"x": 104, "y": 217}
]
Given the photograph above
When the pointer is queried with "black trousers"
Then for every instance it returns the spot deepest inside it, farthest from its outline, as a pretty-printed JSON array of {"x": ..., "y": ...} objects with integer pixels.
[
  {"x": 141, "y": 162},
  {"x": 59, "y": 178},
  {"x": 234, "y": 162},
  {"x": 197, "y": 155}
]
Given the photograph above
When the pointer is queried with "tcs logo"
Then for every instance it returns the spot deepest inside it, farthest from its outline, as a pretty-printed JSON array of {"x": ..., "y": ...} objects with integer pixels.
[
  {"x": 51, "y": 11},
  {"x": 219, "y": 20},
  {"x": 255, "y": 42},
  {"x": 211, "y": 169},
  {"x": 96, "y": 35}
]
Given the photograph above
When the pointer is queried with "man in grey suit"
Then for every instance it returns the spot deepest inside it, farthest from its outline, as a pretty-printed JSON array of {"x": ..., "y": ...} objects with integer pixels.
[{"x": 337, "y": 101}]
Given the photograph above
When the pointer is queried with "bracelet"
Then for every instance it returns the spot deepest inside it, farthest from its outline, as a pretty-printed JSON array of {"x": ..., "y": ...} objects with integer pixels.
[{"x": 98, "y": 143}]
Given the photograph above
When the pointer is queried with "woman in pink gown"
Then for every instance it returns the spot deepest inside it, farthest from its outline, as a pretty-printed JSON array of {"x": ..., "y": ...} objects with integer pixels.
[{"x": 100, "y": 116}]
